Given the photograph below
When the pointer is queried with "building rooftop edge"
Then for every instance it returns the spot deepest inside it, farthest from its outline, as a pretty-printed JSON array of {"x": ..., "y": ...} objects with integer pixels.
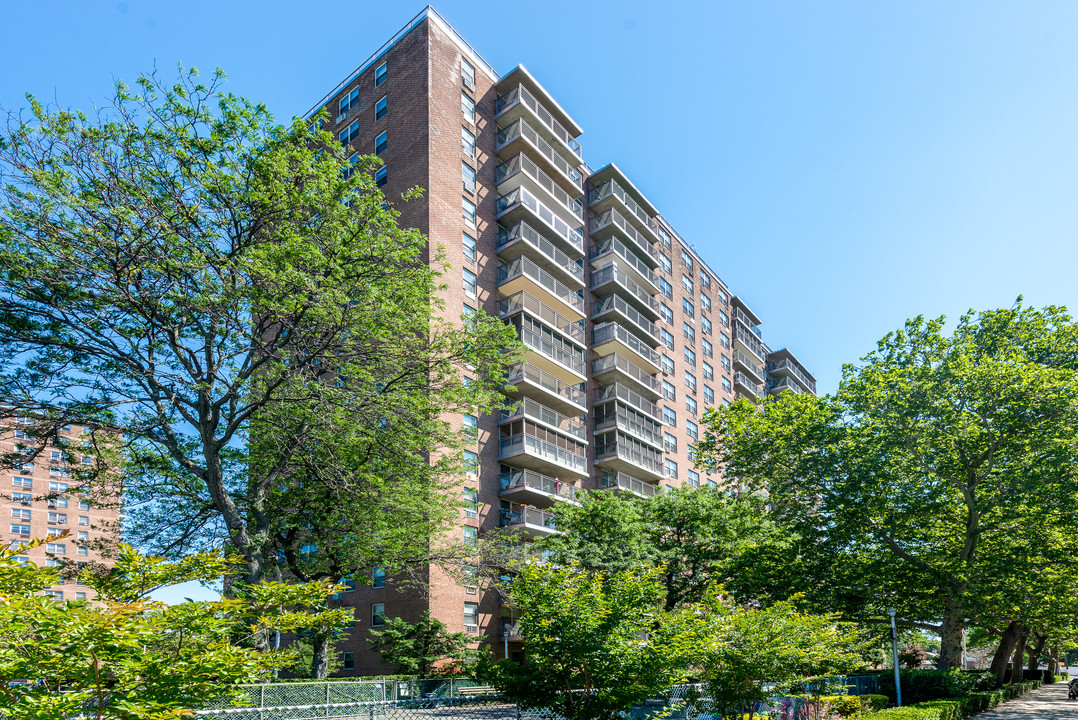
[
  {"x": 563, "y": 117},
  {"x": 793, "y": 357},
  {"x": 748, "y": 311},
  {"x": 649, "y": 207}
]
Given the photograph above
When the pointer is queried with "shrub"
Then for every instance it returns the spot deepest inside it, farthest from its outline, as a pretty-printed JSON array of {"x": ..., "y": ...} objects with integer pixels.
[
  {"x": 910, "y": 712},
  {"x": 924, "y": 685},
  {"x": 872, "y": 703},
  {"x": 949, "y": 709},
  {"x": 843, "y": 705}
]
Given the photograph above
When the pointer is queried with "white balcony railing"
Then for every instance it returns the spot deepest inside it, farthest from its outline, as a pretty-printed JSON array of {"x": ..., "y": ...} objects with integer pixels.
[
  {"x": 612, "y": 331},
  {"x": 522, "y": 196},
  {"x": 537, "y": 411},
  {"x": 529, "y": 373},
  {"x": 523, "y": 301},
  {"x": 521, "y": 94},
  {"x": 614, "y": 360},
  {"x": 521, "y": 163},
  {"x": 521, "y": 129},
  {"x": 610, "y": 188},
  {"x": 524, "y": 232},
  {"x": 526, "y": 267},
  {"x": 509, "y": 445}
]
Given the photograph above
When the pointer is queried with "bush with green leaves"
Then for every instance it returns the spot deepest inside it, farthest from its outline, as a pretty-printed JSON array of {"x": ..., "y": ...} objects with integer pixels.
[{"x": 421, "y": 648}]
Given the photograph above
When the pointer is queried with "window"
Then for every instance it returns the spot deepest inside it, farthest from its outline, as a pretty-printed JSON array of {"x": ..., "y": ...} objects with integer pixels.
[
  {"x": 724, "y": 318},
  {"x": 378, "y": 614},
  {"x": 471, "y": 499},
  {"x": 57, "y": 518},
  {"x": 80, "y": 596},
  {"x": 381, "y": 108},
  {"x": 468, "y": 246},
  {"x": 669, "y": 442},
  {"x": 709, "y": 349},
  {"x": 380, "y": 74},
  {"x": 57, "y": 456},
  {"x": 471, "y": 464},
  {"x": 381, "y": 176},
  {"x": 671, "y": 468},
  {"x": 467, "y": 141},
  {"x": 667, "y": 313},
  {"x": 349, "y": 133},
  {"x": 666, "y": 288},
  {"x": 59, "y": 471},
  {"x": 690, "y": 356},
  {"x": 690, "y": 381},
  {"x": 470, "y": 579},
  {"x": 725, "y": 402},
  {"x": 686, "y": 259},
  {"x": 705, "y": 325},
  {"x": 83, "y": 535},
  {"x": 664, "y": 263},
  {"x": 705, "y": 302},
  {"x": 471, "y": 536},
  {"x": 705, "y": 280},
  {"x": 347, "y": 103},
  {"x": 84, "y": 520},
  {"x": 690, "y": 405},
  {"x": 668, "y": 391},
  {"x": 20, "y": 513},
  {"x": 348, "y": 661},
  {"x": 686, "y": 283},
  {"x": 667, "y": 338},
  {"x": 689, "y": 331},
  {"x": 664, "y": 237},
  {"x": 87, "y": 460},
  {"x": 724, "y": 362},
  {"x": 23, "y": 482},
  {"x": 471, "y": 616},
  {"x": 709, "y": 395},
  {"x": 378, "y": 577},
  {"x": 468, "y": 211},
  {"x": 467, "y": 74},
  {"x": 667, "y": 365},
  {"x": 726, "y": 384},
  {"x": 467, "y": 106},
  {"x": 83, "y": 505},
  {"x": 56, "y": 548},
  {"x": 380, "y": 142},
  {"x": 669, "y": 417},
  {"x": 694, "y": 478},
  {"x": 81, "y": 552},
  {"x": 470, "y": 286},
  {"x": 709, "y": 371},
  {"x": 468, "y": 312},
  {"x": 470, "y": 425},
  {"x": 23, "y": 435},
  {"x": 23, "y": 498},
  {"x": 688, "y": 307},
  {"x": 692, "y": 429},
  {"x": 349, "y": 585},
  {"x": 58, "y": 594},
  {"x": 724, "y": 340},
  {"x": 467, "y": 174},
  {"x": 20, "y": 530}
]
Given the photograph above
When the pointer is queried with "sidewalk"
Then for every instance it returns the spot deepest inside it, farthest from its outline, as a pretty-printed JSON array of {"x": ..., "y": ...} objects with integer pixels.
[{"x": 1048, "y": 702}]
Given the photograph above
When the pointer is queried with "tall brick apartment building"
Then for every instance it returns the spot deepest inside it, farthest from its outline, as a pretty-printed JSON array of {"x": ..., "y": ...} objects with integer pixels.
[
  {"x": 42, "y": 498},
  {"x": 630, "y": 333}
]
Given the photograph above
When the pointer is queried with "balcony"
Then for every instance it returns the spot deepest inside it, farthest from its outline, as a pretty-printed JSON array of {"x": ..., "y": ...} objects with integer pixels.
[
  {"x": 620, "y": 453},
  {"x": 617, "y": 391},
  {"x": 521, "y": 169},
  {"x": 525, "y": 302},
  {"x": 520, "y": 238},
  {"x": 529, "y": 450},
  {"x": 574, "y": 427},
  {"x": 614, "y": 368},
  {"x": 511, "y": 630},
  {"x": 787, "y": 383},
  {"x": 637, "y": 268},
  {"x": 526, "y": 520},
  {"x": 789, "y": 367},
  {"x": 612, "y": 306},
  {"x": 610, "y": 222},
  {"x": 552, "y": 392},
  {"x": 528, "y": 486},
  {"x": 749, "y": 342},
  {"x": 610, "y": 278},
  {"x": 746, "y": 362},
  {"x": 522, "y": 204},
  {"x": 627, "y": 483},
  {"x": 519, "y": 136},
  {"x": 615, "y": 415},
  {"x": 747, "y": 387},
  {"x": 552, "y": 354},
  {"x": 524, "y": 275},
  {"x": 518, "y": 102},
  {"x": 609, "y": 336},
  {"x": 609, "y": 193}
]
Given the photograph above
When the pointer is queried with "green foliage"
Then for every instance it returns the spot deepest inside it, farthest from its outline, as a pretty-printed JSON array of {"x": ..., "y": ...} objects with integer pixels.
[
  {"x": 304, "y": 649},
  {"x": 418, "y": 648},
  {"x": 130, "y": 658},
  {"x": 872, "y": 702},
  {"x": 595, "y": 645}
]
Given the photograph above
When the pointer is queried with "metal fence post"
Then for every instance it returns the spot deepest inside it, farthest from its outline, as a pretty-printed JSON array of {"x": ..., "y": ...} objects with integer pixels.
[
  {"x": 261, "y": 696},
  {"x": 327, "y": 693},
  {"x": 518, "y": 710}
]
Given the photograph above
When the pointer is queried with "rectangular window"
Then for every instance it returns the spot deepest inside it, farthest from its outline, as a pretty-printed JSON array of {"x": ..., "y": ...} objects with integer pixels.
[
  {"x": 667, "y": 313},
  {"x": 709, "y": 395},
  {"x": 84, "y": 535},
  {"x": 467, "y": 174},
  {"x": 378, "y": 577},
  {"x": 668, "y": 391},
  {"x": 692, "y": 429},
  {"x": 471, "y": 616},
  {"x": 709, "y": 349},
  {"x": 56, "y": 548},
  {"x": 690, "y": 381},
  {"x": 381, "y": 73},
  {"x": 468, "y": 211},
  {"x": 471, "y": 464},
  {"x": 59, "y": 471},
  {"x": 57, "y": 518},
  {"x": 380, "y": 142},
  {"x": 694, "y": 479},
  {"x": 471, "y": 502},
  {"x": 467, "y": 106},
  {"x": 690, "y": 405},
  {"x": 470, "y": 286},
  {"x": 81, "y": 552},
  {"x": 709, "y": 371},
  {"x": 348, "y": 661},
  {"x": 57, "y": 594},
  {"x": 20, "y": 513},
  {"x": 688, "y": 307},
  {"x": 705, "y": 280},
  {"x": 667, "y": 338},
  {"x": 468, "y": 247},
  {"x": 470, "y": 427},
  {"x": 726, "y": 384},
  {"x": 381, "y": 108},
  {"x": 467, "y": 74},
  {"x": 723, "y": 297},
  {"x": 470, "y": 579},
  {"x": 724, "y": 340},
  {"x": 686, "y": 259},
  {"x": 705, "y": 302},
  {"x": 724, "y": 362},
  {"x": 381, "y": 176},
  {"x": 346, "y": 103},
  {"x": 667, "y": 365},
  {"x": 378, "y": 614},
  {"x": 471, "y": 536},
  {"x": 724, "y": 318},
  {"x": 23, "y": 482},
  {"x": 467, "y": 141},
  {"x": 666, "y": 288},
  {"x": 87, "y": 460},
  {"x": 669, "y": 417},
  {"x": 671, "y": 468},
  {"x": 664, "y": 263},
  {"x": 689, "y": 331},
  {"x": 705, "y": 325},
  {"x": 690, "y": 356},
  {"x": 664, "y": 237},
  {"x": 20, "y": 530},
  {"x": 22, "y": 498},
  {"x": 686, "y": 283},
  {"x": 80, "y": 596},
  {"x": 83, "y": 505},
  {"x": 349, "y": 133},
  {"x": 84, "y": 520},
  {"x": 669, "y": 442}
]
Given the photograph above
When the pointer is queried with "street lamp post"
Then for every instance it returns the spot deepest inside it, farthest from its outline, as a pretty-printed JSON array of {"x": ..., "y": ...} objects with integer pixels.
[
  {"x": 894, "y": 650},
  {"x": 506, "y": 636}
]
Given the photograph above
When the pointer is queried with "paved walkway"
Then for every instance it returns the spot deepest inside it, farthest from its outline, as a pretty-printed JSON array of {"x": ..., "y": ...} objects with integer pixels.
[{"x": 1048, "y": 702}]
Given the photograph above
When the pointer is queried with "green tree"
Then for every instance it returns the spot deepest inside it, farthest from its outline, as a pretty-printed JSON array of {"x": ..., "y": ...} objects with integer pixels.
[
  {"x": 935, "y": 470},
  {"x": 596, "y": 645},
  {"x": 235, "y": 296},
  {"x": 128, "y": 657},
  {"x": 417, "y": 648}
]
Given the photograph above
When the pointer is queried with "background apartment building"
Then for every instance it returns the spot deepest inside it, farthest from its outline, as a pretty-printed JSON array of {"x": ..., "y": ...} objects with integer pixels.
[
  {"x": 630, "y": 333},
  {"x": 43, "y": 497}
]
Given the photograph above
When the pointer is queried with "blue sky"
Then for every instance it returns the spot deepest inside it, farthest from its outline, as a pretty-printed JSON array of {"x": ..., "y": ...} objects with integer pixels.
[{"x": 843, "y": 165}]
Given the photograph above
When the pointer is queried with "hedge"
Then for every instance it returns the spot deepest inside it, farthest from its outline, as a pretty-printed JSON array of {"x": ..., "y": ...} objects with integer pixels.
[
  {"x": 872, "y": 703},
  {"x": 955, "y": 708}
]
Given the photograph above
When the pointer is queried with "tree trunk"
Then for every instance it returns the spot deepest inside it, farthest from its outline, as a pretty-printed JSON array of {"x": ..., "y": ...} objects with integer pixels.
[
  {"x": 320, "y": 657},
  {"x": 1003, "y": 651},
  {"x": 1053, "y": 660},
  {"x": 1035, "y": 652},
  {"x": 950, "y": 637},
  {"x": 1018, "y": 663}
]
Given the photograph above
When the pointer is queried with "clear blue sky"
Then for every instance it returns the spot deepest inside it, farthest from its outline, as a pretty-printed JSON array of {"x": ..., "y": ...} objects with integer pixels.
[{"x": 843, "y": 165}]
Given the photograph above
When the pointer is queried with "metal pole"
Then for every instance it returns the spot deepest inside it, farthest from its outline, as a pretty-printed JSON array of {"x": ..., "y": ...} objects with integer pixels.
[
  {"x": 894, "y": 650},
  {"x": 506, "y": 637}
]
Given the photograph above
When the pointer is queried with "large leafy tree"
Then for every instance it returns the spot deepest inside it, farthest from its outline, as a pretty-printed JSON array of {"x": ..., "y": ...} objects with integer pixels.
[
  {"x": 420, "y": 647},
  {"x": 236, "y": 297},
  {"x": 936, "y": 469}
]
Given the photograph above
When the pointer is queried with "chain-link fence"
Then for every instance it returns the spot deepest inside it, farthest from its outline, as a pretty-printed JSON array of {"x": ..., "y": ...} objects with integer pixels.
[
  {"x": 479, "y": 707},
  {"x": 352, "y": 691}
]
